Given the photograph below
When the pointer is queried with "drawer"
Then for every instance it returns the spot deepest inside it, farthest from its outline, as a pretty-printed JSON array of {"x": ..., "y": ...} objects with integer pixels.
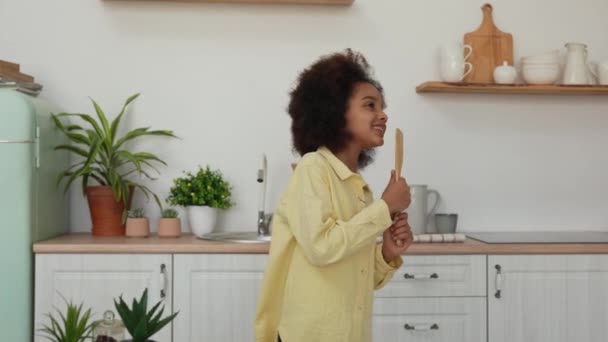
[
  {"x": 429, "y": 319},
  {"x": 438, "y": 276}
]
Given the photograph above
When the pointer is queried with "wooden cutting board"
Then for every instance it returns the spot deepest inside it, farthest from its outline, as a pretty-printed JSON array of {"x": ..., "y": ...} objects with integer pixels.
[
  {"x": 9, "y": 66},
  {"x": 11, "y": 71},
  {"x": 490, "y": 46}
]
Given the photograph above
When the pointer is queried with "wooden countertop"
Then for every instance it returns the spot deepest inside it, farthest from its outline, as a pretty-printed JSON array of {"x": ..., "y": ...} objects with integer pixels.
[{"x": 187, "y": 243}]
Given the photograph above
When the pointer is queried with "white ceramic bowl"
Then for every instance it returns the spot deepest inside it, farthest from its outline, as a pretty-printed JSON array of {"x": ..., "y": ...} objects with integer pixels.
[
  {"x": 547, "y": 55},
  {"x": 541, "y": 64},
  {"x": 543, "y": 74},
  {"x": 540, "y": 61}
]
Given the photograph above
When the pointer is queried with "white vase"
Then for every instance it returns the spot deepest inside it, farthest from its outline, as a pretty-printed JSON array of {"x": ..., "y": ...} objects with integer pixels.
[{"x": 202, "y": 219}]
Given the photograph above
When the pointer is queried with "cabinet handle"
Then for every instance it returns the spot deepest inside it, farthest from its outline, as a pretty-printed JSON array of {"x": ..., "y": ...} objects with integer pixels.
[
  {"x": 163, "y": 281},
  {"x": 498, "y": 281},
  {"x": 421, "y": 327},
  {"x": 421, "y": 276}
]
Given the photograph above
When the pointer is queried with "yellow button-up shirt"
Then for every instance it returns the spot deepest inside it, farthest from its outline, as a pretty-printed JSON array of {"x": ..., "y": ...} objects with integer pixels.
[{"x": 324, "y": 262}]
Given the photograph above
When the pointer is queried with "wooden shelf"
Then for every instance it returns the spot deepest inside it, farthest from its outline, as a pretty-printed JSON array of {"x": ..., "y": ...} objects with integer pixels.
[
  {"x": 279, "y": 2},
  {"x": 443, "y": 87}
]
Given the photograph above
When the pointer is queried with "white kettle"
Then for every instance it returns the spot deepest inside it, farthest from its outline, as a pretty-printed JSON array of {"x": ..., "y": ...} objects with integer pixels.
[{"x": 418, "y": 213}]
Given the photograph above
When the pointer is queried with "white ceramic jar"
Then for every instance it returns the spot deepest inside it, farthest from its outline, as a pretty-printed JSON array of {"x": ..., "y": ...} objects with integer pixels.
[{"x": 505, "y": 74}]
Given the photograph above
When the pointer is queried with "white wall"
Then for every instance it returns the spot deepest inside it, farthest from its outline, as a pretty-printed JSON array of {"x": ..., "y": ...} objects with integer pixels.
[{"x": 219, "y": 74}]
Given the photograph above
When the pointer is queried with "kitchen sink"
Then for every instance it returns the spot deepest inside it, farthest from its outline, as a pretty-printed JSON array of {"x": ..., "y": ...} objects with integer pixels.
[{"x": 242, "y": 237}]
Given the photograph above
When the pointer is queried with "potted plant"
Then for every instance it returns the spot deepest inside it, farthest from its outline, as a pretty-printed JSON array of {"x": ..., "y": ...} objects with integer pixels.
[
  {"x": 74, "y": 326},
  {"x": 137, "y": 223},
  {"x": 141, "y": 323},
  {"x": 170, "y": 224},
  {"x": 202, "y": 193},
  {"x": 107, "y": 162}
]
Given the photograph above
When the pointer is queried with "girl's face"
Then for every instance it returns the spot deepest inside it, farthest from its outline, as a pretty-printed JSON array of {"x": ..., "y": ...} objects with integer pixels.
[{"x": 365, "y": 117}]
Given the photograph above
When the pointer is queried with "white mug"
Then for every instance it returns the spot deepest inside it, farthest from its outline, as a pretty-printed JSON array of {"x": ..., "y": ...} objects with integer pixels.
[
  {"x": 453, "y": 66},
  {"x": 455, "y": 71},
  {"x": 602, "y": 73},
  {"x": 456, "y": 51}
]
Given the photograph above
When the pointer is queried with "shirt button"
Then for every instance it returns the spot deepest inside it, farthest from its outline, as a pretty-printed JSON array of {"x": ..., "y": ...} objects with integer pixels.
[
  {"x": 360, "y": 308},
  {"x": 363, "y": 271}
]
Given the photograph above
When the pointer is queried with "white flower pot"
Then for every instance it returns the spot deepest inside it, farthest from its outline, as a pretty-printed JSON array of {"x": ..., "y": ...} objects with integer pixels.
[{"x": 202, "y": 219}]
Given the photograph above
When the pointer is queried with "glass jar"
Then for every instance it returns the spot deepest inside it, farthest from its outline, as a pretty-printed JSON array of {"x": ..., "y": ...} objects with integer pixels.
[{"x": 109, "y": 329}]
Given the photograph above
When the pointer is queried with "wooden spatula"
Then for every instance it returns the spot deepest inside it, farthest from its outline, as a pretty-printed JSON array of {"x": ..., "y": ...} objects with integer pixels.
[
  {"x": 398, "y": 153},
  {"x": 398, "y": 160}
]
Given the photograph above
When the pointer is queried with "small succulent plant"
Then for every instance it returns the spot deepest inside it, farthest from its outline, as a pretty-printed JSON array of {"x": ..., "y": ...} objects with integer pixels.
[
  {"x": 140, "y": 322},
  {"x": 169, "y": 213},
  {"x": 137, "y": 213}
]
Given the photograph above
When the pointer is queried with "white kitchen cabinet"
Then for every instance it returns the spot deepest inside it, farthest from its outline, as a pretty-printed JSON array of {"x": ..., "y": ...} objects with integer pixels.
[
  {"x": 457, "y": 319},
  {"x": 553, "y": 298},
  {"x": 438, "y": 276},
  {"x": 216, "y": 295},
  {"x": 97, "y": 279},
  {"x": 433, "y": 299}
]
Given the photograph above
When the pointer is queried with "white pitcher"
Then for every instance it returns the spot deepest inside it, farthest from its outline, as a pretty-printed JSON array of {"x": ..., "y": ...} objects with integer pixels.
[
  {"x": 577, "y": 71},
  {"x": 418, "y": 213}
]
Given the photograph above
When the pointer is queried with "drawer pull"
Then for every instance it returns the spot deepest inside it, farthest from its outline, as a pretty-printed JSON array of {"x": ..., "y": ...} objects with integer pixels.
[
  {"x": 498, "y": 281},
  {"x": 421, "y": 327},
  {"x": 421, "y": 276},
  {"x": 163, "y": 281}
]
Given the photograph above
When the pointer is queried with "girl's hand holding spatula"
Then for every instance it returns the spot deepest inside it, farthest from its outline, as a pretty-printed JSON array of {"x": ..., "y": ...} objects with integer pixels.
[{"x": 399, "y": 236}]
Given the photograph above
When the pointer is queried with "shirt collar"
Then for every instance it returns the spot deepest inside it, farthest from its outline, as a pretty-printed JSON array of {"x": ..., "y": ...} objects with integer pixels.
[{"x": 339, "y": 167}]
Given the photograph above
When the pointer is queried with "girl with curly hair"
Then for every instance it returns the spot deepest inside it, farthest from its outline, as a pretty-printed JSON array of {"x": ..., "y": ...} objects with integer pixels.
[{"x": 324, "y": 261}]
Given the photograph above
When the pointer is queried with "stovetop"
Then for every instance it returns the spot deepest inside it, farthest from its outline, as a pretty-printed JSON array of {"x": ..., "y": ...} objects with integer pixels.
[{"x": 541, "y": 237}]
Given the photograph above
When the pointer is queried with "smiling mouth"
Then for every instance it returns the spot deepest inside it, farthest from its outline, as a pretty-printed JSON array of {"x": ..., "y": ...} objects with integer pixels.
[{"x": 380, "y": 129}]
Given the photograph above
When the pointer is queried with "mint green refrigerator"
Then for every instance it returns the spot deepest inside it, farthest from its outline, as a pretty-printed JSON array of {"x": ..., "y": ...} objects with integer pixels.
[{"x": 32, "y": 208}]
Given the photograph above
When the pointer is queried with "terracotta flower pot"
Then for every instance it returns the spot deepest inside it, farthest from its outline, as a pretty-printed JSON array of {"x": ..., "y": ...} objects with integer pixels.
[
  {"x": 106, "y": 212},
  {"x": 169, "y": 227},
  {"x": 137, "y": 227}
]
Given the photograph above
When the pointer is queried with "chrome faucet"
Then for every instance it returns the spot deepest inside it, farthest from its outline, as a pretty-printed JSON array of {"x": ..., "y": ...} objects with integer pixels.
[
  {"x": 264, "y": 223},
  {"x": 263, "y": 218}
]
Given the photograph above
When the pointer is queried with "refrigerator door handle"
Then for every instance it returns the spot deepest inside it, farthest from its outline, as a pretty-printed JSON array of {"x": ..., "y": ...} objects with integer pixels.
[
  {"x": 16, "y": 141},
  {"x": 37, "y": 148}
]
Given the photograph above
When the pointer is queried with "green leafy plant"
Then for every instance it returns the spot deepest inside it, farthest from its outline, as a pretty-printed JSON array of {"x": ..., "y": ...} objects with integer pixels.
[
  {"x": 104, "y": 156},
  {"x": 169, "y": 213},
  {"x": 137, "y": 213},
  {"x": 140, "y": 322},
  {"x": 74, "y": 326},
  {"x": 204, "y": 188}
]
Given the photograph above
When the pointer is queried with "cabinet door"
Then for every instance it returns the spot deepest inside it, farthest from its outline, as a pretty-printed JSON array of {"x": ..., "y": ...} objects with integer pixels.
[
  {"x": 547, "y": 298},
  {"x": 216, "y": 295},
  {"x": 97, "y": 279},
  {"x": 430, "y": 319}
]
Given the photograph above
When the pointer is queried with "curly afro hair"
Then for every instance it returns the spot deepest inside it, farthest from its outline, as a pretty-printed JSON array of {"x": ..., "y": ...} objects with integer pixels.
[{"x": 319, "y": 102}]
